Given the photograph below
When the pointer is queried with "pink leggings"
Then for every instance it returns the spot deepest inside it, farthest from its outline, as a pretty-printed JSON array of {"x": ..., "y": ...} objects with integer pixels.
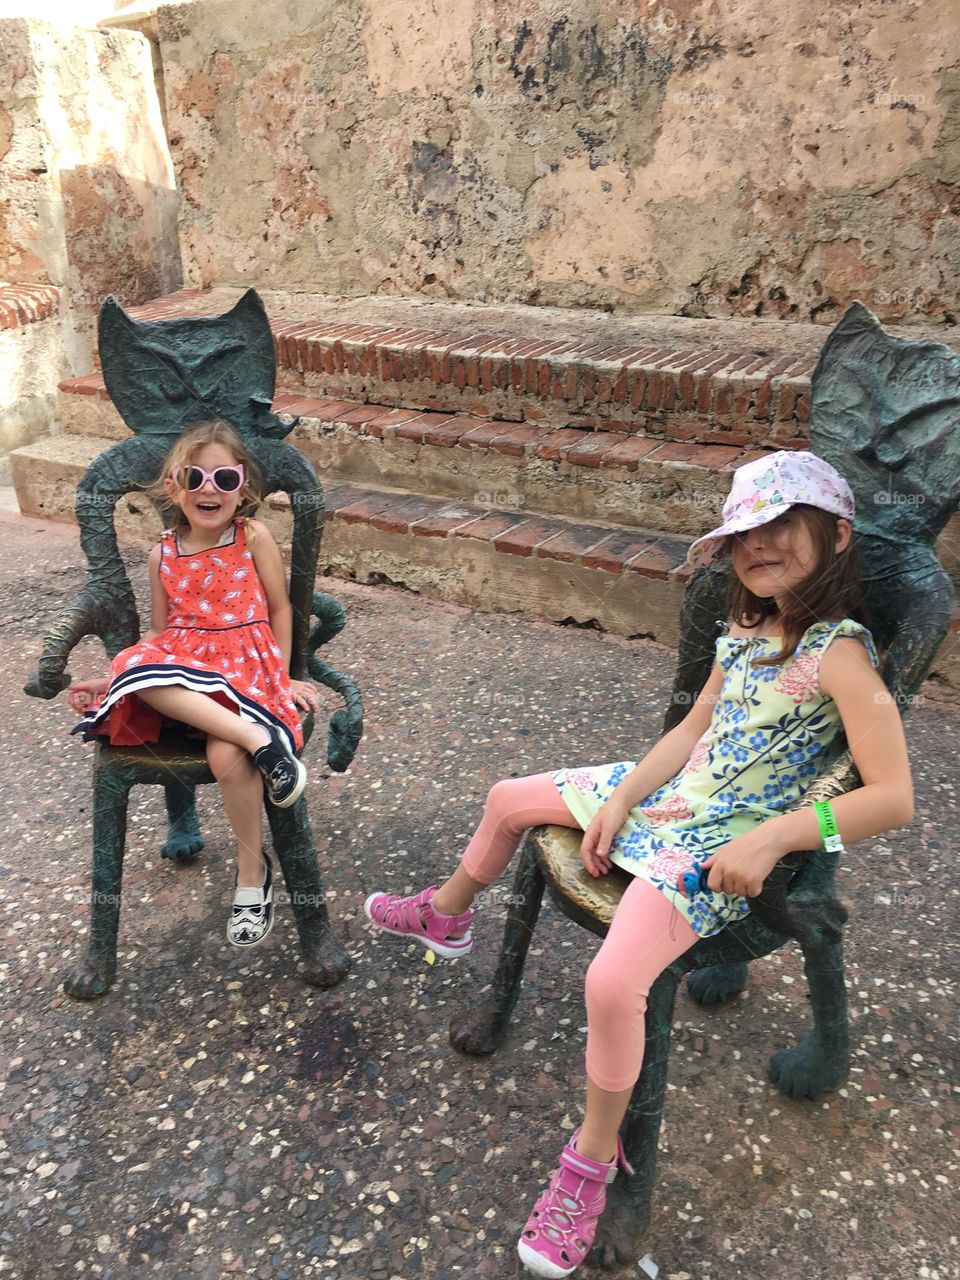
[{"x": 646, "y": 935}]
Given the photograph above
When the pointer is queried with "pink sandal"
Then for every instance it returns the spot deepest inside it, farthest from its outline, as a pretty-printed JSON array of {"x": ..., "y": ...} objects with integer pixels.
[
  {"x": 561, "y": 1228},
  {"x": 415, "y": 917}
]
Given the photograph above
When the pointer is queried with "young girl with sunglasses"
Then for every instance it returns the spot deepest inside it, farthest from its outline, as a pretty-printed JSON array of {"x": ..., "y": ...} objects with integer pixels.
[
  {"x": 216, "y": 655},
  {"x": 704, "y": 817}
]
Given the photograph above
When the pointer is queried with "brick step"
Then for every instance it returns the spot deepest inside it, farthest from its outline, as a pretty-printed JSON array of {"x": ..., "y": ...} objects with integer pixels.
[
  {"x": 738, "y": 382},
  {"x": 23, "y": 304},
  {"x": 569, "y": 554},
  {"x": 744, "y": 383},
  {"x": 634, "y": 480},
  {"x": 629, "y": 581}
]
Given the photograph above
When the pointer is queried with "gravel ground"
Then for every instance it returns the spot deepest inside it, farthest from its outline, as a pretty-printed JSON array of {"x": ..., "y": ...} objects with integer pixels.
[{"x": 213, "y": 1115}]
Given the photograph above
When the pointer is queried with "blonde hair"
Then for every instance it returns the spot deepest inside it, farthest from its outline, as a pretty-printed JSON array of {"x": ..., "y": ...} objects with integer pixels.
[{"x": 185, "y": 450}]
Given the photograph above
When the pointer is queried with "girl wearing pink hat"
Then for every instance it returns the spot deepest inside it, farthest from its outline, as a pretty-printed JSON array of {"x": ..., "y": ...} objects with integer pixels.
[{"x": 703, "y": 818}]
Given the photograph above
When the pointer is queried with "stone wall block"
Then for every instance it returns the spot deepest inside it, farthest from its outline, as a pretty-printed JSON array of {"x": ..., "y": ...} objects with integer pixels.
[{"x": 605, "y": 157}]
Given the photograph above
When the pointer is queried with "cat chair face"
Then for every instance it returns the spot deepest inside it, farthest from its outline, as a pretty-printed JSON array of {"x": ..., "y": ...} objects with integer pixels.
[
  {"x": 165, "y": 375},
  {"x": 885, "y": 413}
]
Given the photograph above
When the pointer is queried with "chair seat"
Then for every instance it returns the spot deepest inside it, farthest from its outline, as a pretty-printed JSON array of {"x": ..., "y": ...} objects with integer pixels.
[
  {"x": 591, "y": 902},
  {"x": 154, "y": 762},
  {"x": 586, "y": 900},
  {"x": 174, "y": 753}
]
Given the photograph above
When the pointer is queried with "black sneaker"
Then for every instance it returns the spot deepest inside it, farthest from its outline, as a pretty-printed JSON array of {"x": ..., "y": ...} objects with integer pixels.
[
  {"x": 252, "y": 916},
  {"x": 284, "y": 777}
]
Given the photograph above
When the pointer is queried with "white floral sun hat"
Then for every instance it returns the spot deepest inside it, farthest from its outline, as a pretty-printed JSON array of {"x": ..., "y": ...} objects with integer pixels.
[{"x": 766, "y": 487}]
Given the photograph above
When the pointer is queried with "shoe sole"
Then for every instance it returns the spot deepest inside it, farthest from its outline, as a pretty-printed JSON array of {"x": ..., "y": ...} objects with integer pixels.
[
  {"x": 297, "y": 791},
  {"x": 540, "y": 1265},
  {"x": 428, "y": 944}
]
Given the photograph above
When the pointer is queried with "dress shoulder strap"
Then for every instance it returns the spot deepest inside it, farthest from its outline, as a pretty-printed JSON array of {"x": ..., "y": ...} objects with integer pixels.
[
  {"x": 168, "y": 547},
  {"x": 243, "y": 539},
  {"x": 821, "y": 634}
]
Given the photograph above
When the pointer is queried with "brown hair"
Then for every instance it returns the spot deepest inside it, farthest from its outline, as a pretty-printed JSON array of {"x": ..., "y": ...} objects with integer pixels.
[
  {"x": 833, "y": 589},
  {"x": 186, "y": 448}
]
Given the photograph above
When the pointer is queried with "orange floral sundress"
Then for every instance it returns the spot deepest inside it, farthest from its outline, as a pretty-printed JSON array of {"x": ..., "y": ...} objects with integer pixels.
[{"x": 218, "y": 640}]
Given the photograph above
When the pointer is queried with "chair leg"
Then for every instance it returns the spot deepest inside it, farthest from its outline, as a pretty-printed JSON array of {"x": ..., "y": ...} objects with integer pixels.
[
  {"x": 627, "y": 1214},
  {"x": 94, "y": 975},
  {"x": 325, "y": 961},
  {"x": 715, "y": 983},
  {"x": 483, "y": 1030},
  {"x": 184, "y": 840},
  {"x": 821, "y": 1061}
]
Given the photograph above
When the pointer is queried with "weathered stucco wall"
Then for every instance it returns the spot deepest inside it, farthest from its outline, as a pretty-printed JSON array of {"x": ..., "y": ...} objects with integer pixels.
[
  {"x": 30, "y": 252},
  {"x": 87, "y": 193},
  {"x": 774, "y": 157},
  {"x": 29, "y": 364}
]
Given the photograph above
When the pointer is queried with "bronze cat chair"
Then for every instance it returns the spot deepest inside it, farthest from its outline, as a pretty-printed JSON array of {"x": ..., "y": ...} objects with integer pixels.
[
  {"x": 885, "y": 414},
  {"x": 162, "y": 376}
]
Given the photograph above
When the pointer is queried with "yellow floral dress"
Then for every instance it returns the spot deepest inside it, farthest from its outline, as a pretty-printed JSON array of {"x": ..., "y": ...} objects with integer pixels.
[{"x": 772, "y": 731}]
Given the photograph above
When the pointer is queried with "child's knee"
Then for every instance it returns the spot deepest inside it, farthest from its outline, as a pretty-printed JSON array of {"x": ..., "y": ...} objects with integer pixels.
[
  {"x": 608, "y": 991},
  {"x": 503, "y": 796},
  {"x": 498, "y": 797},
  {"x": 224, "y": 757}
]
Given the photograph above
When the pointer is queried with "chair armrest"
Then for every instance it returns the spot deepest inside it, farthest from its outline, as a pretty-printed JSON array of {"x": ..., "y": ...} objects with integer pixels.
[
  {"x": 95, "y": 610},
  {"x": 346, "y": 724},
  {"x": 800, "y": 892}
]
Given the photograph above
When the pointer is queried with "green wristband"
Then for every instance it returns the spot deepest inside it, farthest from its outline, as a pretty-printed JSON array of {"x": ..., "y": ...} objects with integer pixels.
[{"x": 829, "y": 831}]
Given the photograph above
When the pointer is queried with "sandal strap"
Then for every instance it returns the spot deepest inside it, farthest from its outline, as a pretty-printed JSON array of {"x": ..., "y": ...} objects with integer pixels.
[
  {"x": 594, "y": 1170},
  {"x": 450, "y": 923},
  {"x": 404, "y": 913},
  {"x": 414, "y": 914},
  {"x": 563, "y": 1224}
]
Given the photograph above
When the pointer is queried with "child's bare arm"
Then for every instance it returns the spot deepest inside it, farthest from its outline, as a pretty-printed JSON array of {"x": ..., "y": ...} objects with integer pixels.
[
  {"x": 875, "y": 736},
  {"x": 266, "y": 557},
  {"x": 159, "y": 601},
  {"x": 876, "y": 740}
]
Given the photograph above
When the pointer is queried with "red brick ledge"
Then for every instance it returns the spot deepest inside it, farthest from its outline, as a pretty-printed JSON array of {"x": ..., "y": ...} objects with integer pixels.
[
  {"x": 512, "y": 533},
  {"x": 708, "y": 393},
  {"x": 23, "y": 304},
  {"x": 585, "y": 448},
  {"x": 591, "y": 546},
  {"x": 591, "y": 384},
  {"x": 598, "y": 547},
  {"x": 90, "y": 384}
]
